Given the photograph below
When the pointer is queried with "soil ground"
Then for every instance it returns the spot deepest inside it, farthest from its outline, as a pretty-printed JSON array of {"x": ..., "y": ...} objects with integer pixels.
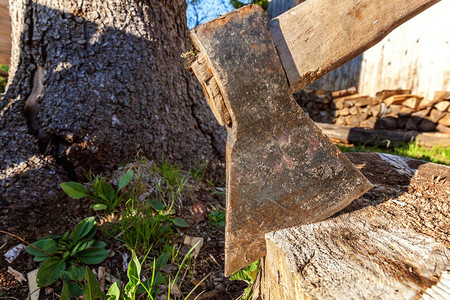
[{"x": 198, "y": 199}]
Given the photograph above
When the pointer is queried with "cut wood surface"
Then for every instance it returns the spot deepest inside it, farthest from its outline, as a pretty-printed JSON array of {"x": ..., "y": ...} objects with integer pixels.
[
  {"x": 380, "y": 137},
  {"x": 392, "y": 243},
  {"x": 309, "y": 48}
]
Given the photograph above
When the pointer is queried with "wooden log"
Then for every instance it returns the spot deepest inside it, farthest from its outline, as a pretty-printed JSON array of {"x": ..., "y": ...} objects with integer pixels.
[
  {"x": 340, "y": 121},
  {"x": 445, "y": 120},
  {"x": 388, "y": 122},
  {"x": 353, "y": 110},
  {"x": 366, "y": 101},
  {"x": 343, "y": 112},
  {"x": 375, "y": 110},
  {"x": 355, "y": 120},
  {"x": 392, "y": 243},
  {"x": 435, "y": 115},
  {"x": 343, "y": 93},
  {"x": 399, "y": 99},
  {"x": 413, "y": 102},
  {"x": 443, "y": 128},
  {"x": 421, "y": 113},
  {"x": 309, "y": 48},
  {"x": 389, "y": 93},
  {"x": 369, "y": 123},
  {"x": 405, "y": 111},
  {"x": 426, "y": 125},
  {"x": 413, "y": 123},
  {"x": 383, "y": 137},
  {"x": 442, "y": 106},
  {"x": 394, "y": 109},
  {"x": 441, "y": 95}
]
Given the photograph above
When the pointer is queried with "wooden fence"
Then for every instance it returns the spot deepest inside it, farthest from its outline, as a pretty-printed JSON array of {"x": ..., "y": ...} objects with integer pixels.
[{"x": 415, "y": 56}]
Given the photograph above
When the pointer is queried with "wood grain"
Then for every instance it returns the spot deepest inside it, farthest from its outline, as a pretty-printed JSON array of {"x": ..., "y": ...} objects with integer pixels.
[
  {"x": 384, "y": 246},
  {"x": 316, "y": 37}
]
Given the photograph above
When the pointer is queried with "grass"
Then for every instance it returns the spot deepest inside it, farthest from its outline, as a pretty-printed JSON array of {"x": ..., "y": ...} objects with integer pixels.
[
  {"x": 440, "y": 155},
  {"x": 148, "y": 219}
]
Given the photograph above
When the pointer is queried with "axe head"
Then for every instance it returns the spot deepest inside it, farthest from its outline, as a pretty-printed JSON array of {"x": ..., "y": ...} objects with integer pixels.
[{"x": 282, "y": 171}]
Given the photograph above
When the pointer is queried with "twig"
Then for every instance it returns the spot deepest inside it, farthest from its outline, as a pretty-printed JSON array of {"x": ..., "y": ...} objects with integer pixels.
[{"x": 22, "y": 240}]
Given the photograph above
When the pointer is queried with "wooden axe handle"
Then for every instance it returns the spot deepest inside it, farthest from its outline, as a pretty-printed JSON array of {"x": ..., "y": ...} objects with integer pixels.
[{"x": 318, "y": 36}]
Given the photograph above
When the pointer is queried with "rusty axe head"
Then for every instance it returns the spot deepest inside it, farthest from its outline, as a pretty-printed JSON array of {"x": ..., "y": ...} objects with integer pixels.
[{"x": 281, "y": 170}]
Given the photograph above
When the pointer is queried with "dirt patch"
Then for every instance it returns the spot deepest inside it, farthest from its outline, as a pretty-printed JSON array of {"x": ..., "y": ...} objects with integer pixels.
[{"x": 57, "y": 217}]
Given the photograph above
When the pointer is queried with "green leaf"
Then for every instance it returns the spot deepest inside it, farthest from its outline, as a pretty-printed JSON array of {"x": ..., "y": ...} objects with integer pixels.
[
  {"x": 75, "y": 289},
  {"x": 125, "y": 179},
  {"x": 179, "y": 222},
  {"x": 134, "y": 275},
  {"x": 48, "y": 246},
  {"x": 99, "y": 244},
  {"x": 99, "y": 206},
  {"x": 92, "y": 255},
  {"x": 159, "y": 279},
  {"x": 71, "y": 289},
  {"x": 40, "y": 258},
  {"x": 74, "y": 190},
  {"x": 105, "y": 191},
  {"x": 74, "y": 273},
  {"x": 161, "y": 261},
  {"x": 241, "y": 275},
  {"x": 83, "y": 229},
  {"x": 156, "y": 204},
  {"x": 92, "y": 290},
  {"x": 49, "y": 271},
  {"x": 65, "y": 292},
  {"x": 114, "y": 292}
]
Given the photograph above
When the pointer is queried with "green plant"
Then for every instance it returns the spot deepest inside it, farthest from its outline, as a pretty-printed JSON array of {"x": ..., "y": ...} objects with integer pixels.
[
  {"x": 62, "y": 257},
  {"x": 217, "y": 218},
  {"x": 3, "y": 79},
  {"x": 248, "y": 274},
  {"x": 148, "y": 225},
  {"x": 150, "y": 286},
  {"x": 104, "y": 196},
  {"x": 198, "y": 171}
]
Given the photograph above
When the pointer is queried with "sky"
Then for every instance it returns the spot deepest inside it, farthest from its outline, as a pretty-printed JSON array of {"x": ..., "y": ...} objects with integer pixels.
[{"x": 201, "y": 11}]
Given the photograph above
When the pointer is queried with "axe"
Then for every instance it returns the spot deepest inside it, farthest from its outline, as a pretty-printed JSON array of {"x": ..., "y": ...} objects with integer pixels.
[{"x": 281, "y": 170}]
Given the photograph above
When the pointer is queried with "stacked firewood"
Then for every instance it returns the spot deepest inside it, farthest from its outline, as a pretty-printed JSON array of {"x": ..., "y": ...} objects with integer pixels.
[{"x": 389, "y": 109}]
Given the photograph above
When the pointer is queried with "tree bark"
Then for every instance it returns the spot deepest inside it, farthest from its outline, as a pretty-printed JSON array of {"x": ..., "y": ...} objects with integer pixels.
[{"x": 93, "y": 84}]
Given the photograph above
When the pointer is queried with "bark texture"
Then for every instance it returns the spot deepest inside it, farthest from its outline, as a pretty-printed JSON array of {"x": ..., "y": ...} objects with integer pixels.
[{"x": 93, "y": 84}]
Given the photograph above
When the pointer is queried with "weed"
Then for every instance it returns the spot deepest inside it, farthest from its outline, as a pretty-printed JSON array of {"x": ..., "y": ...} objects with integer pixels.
[
  {"x": 104, "y": 196},
  {"x": 148, "y": 225},
  {"x": 198, "y": 171},
  {"x": 219, "y": 191},
  {"x": 151, "y": 286},
  {"x": 248, "y": 274},
  {"x": 217, "y": 218},
  {"x": 62, "y": 256}
]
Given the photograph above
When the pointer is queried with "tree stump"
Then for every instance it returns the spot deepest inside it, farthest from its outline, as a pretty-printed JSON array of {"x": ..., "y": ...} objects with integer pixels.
[{"x": 392, "y": 243}]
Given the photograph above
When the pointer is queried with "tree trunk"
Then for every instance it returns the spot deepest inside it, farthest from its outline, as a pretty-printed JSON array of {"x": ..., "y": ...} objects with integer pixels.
[{"x": 92, "y": 84}]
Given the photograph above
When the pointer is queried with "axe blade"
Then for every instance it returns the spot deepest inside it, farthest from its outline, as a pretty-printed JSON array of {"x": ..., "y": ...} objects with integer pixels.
[{"x": 282, "y": 171}]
